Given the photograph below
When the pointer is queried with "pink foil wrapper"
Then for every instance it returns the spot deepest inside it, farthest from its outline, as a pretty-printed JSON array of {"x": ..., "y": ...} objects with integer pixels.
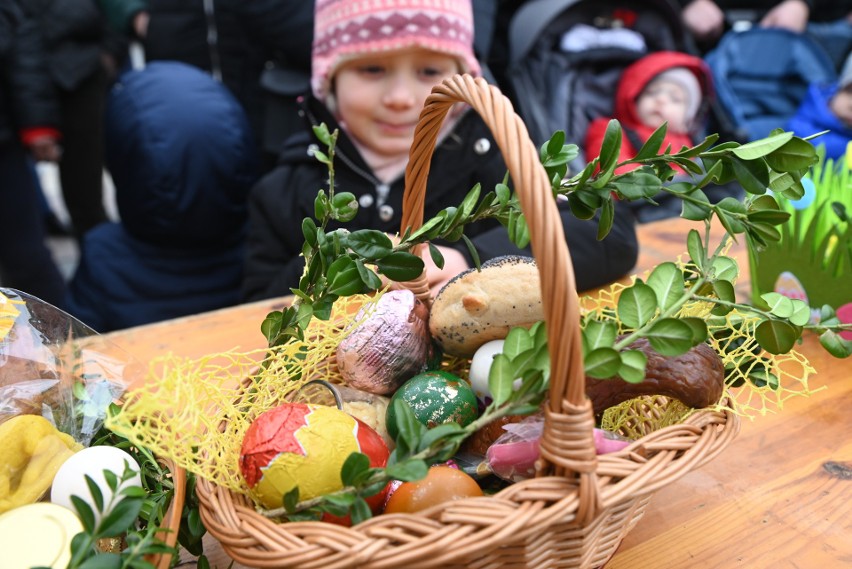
[{"x": 390, "y": 346}]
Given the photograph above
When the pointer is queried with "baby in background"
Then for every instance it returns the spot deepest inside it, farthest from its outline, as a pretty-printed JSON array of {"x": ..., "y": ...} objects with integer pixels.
[{"x": 664, "y": 86}]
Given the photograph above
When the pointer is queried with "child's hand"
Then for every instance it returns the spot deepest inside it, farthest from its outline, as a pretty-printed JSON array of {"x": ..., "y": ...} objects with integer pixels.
[
  {"x": 790, "y": 14},
  {"x": 704, "y": 19}
]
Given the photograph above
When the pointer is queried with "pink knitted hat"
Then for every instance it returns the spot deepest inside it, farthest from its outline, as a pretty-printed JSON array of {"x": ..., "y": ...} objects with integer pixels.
[{"x": 344, "y": 29}]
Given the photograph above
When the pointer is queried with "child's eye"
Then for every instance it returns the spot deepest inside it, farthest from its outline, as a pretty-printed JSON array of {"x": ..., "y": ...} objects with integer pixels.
[{"x": 371, "y": 69}]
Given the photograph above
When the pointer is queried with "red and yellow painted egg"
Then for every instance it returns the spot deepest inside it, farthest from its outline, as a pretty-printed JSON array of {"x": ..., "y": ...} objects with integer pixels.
[{"x": 304, "y": 445}]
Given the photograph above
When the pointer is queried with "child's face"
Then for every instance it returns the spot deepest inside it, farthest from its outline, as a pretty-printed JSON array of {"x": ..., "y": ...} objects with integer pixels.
[
  {"x": 379, "y": 97},
  {"x": 661, "y": 101},
  {"x": 841, "y": 105}
]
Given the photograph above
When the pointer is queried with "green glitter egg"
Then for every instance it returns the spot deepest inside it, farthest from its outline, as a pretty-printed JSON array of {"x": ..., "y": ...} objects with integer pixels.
[{"x": 436, "y": 397}]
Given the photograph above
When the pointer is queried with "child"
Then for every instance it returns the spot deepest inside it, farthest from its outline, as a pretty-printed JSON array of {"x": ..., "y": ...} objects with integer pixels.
[
  {"x": 827, "y": 107},
  {"x": 664, "y": 86},
  {"x": 374, "y": 64},
  {"x": 182, "y": 158}
]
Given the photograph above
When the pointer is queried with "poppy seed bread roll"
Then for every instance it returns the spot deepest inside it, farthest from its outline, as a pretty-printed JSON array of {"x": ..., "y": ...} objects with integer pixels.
[{"x": 478, "y": 306}]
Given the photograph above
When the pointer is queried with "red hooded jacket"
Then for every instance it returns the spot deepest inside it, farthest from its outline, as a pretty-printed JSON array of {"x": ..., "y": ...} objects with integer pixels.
[{"x": 632, "y": 82}]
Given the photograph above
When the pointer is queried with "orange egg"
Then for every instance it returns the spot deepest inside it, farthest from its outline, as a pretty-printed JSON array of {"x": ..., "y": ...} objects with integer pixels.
[{"x": 441, "y": 484}]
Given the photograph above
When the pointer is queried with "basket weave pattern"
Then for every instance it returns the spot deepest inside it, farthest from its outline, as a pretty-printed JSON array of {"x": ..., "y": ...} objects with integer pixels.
[{"x": 580, "y": 507}]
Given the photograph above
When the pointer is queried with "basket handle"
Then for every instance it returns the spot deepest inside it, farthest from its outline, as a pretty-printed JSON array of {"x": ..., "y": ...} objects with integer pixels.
[{"x": 567, "y": 444}]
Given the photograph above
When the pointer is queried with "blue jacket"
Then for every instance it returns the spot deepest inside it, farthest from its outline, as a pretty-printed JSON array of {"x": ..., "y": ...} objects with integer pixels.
[
  {"x": 181, "y": 156},
  {"x": 814, "y": 115}
]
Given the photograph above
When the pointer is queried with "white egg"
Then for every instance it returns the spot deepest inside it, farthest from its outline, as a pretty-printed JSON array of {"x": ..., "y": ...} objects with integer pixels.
[
  {"x": 70, "y": 479},
  {"x": 480, "y": 366}
]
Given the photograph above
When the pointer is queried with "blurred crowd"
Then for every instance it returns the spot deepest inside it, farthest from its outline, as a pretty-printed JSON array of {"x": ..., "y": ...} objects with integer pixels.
[{"x": 201, "y": 112}]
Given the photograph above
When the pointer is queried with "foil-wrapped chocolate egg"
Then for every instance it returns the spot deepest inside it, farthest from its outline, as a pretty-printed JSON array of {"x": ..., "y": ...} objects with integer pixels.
[{"x": 389, "y": 346}]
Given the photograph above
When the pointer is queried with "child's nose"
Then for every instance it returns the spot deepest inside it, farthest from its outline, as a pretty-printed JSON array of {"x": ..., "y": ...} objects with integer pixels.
[{"x": 400, "y": 92}]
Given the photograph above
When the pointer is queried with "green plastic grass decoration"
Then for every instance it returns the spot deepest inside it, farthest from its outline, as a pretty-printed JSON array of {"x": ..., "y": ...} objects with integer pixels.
[{"x": 813, "y": 259}]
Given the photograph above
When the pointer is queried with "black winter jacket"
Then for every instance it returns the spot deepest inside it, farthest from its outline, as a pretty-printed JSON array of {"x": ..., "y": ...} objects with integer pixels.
[
  {"x": 26, "y": 93},
  {"x": 467, "y": 155},
  {"x": 75, "y": 34}
]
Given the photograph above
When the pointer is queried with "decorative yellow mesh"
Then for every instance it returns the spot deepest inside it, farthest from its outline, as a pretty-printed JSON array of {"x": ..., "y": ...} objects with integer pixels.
[{"x": 196, "y": 412}]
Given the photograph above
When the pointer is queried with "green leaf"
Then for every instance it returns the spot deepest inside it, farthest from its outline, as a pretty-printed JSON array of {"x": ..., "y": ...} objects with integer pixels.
[
  {"x": 696, "y": 211},
  {"x": 667, "y": 282},
  {"x": 670, "y": 337},
  {"x": 321, "y": 132},
  {"x": 597, "y": 334},
  {"x": 602, "y": 363},
  {"x": 400, "y": 266},
  {"x": 554, "y": 146},
  {"x": 409, "y": 429},
  {"x": 95, "y": 490},
  {"x": 652, "y": 146},
  {"x": 801, "y": 313},
  {"x": 725, "y": 268},
  {"x": 611, "y": 146},
  {"x": 835, "y": 345},
  {"x": 501, "y": 378},
  {"x": 633, "y": 365},
  {"x": 695, "y": 247},
  {"x": 427, "y": 227},
  {"x": 753, "y": 176},
  {"x": 779, "y": 305},
  {"x": 776, "y": 336},
  {"x": 698, "y": 327},
  {"x": 637, "y": 184},
  {"x": 436, "y": 255},
  {"x": 474, "y": 254},
  {"x": 322, "y": 307},
  {"x": 321, "y": 205},
  {"x": 370, "y": 279},
  {"x": 121, "y": 518},
  {"x": 636, "y": 305},
  {"x": 469, "y": 202},
  {"x": 309, "y": 231},
  {"x": 763, "y": 147},
  {"x": 503, "y": 193},
  {"x": 85, "y": 513},
  {"x": 370, "y": 244},
  {"x": 796, "y": 154},
  {"x": 343, "y": 277},
  {"x": 606, "y": 219},
  {"x": 354, "y": 467},
  {"x": 444, "y": 431},
  {"x": 102, "y": 561},
  {"x": 291, "y": 500},
  {"x": 408, "y": 471},
  {"x": 344, "y": 206},
  {"x": 360, "y": 511},
  {"x": 518, "y": 340}
]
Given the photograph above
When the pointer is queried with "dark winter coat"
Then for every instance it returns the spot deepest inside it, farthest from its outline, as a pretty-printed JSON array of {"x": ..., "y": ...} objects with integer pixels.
[
  {"x": 633, "y": 81},
  {"x": 26, "y": 93},
  {"x": 467, "y": 155},
  {"x": 75, "y": 35},
  {"x": 180, "y": 152},
  {"x": 814, "y": 115}
]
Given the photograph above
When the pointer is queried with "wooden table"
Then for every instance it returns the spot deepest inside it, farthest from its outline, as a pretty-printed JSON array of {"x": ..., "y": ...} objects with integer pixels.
[{"x": 780, "y": 496}]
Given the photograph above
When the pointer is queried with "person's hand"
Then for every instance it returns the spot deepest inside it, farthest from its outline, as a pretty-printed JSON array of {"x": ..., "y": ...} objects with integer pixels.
[
  {"x": 45, "y": 149},
  {"x": 704, "y": 19},
  {"x": 140, "y": 24},
  {"x": 454, "y": 263},
  {"x": 791, "y": 15}
]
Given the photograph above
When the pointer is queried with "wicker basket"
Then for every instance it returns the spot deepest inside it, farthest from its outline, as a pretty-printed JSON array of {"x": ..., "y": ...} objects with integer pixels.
[{"x": 577, "y": 512}]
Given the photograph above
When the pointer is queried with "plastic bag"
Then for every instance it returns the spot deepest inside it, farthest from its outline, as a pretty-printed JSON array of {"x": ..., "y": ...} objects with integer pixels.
[
  {"x": 53, "y": 365},
  {"x": 513, "y": 455}
]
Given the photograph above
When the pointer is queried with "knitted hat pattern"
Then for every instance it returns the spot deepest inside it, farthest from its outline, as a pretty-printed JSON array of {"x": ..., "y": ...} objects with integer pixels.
[
  {"x": 687, "y": 80},
  {"x": 345, "y": 29}
]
